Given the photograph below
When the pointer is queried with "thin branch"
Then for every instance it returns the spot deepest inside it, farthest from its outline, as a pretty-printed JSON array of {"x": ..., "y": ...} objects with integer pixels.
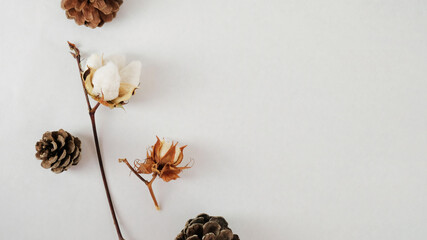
[
  {"x": 93, "y": 110},
  {"x": 134, "y": 171},
  {"x": 76, "y": 54},
  {"x": 150, "y": 188},
  {"x": 148, "y": 183}
]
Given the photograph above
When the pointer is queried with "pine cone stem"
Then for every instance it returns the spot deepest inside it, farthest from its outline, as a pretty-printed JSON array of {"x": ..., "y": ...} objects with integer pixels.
[{"x": 76, "y": 54}]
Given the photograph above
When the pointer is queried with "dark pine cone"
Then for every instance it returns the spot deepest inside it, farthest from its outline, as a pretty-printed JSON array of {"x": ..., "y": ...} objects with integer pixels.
[
  {"x": 58, "y": 150},
  {"x": 205, "y": 227},
  {"x": 92, "y": 13}
]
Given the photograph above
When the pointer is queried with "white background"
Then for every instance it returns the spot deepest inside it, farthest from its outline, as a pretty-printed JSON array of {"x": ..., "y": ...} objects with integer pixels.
[{"x": 306, "y": 119}]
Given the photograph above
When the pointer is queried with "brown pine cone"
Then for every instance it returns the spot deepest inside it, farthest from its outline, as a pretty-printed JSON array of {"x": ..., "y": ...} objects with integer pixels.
[
  {"x": 205, "y": 227},
  {"x": 92, "y": 13},
  {"x": 58, "y": 150}
]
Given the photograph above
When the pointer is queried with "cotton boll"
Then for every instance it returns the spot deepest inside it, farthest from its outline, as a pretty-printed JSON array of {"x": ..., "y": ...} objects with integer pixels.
[
  {"x": 106, "y": 80},
  {"x": 118, "y": 60},
  {"x": 131, "y": 73},
  {"x": 94, "y": 61}
]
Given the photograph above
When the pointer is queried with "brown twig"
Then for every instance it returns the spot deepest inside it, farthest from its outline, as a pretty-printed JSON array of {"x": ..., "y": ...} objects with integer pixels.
[
  {"x": 76, "y": 54},
  {"x": 133, "y": 170},
  {"x": 93, "y": 110},
  {"x": 150, "y": 188},
  {"x": 148, "y": 183}
]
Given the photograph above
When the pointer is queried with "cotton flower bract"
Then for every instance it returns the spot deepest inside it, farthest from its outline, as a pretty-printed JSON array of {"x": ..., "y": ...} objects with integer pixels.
[{"x": 163, "y": 159}]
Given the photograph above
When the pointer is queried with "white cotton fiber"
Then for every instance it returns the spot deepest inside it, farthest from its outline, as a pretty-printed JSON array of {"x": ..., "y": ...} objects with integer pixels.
[
  {"x": 131, "y": 73},
  {"x": 94, "y": 61},
  {"x": 106, "y": 80},
  {"x": 118, "y": 60}
]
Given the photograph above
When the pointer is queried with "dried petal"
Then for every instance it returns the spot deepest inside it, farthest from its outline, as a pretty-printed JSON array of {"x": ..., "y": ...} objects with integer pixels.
[
  {"x": 156, "y": 150},
  {"x": 170, "y": 173},
  {"x": 169, "y": 156},
  {"x": 146, "y": 167},
  {"x": 125, "y": 93},
  {"x": 179, "y": 156}
]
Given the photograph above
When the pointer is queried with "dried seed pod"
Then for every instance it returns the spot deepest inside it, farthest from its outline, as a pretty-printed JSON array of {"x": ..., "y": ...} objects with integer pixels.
[
  {"x": 205, "y": 227},
  {"x": 58, "y": 150},
  {"x": 163, "y": 159},
  {"x": 91, "y": 13}
]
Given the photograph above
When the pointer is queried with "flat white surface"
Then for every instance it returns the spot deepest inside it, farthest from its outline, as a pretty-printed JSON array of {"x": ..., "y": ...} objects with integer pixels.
[{"x": 306, "y": 119}]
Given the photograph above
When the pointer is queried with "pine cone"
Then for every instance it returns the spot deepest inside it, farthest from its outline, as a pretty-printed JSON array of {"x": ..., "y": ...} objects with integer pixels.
[
  {"x": 205, "y": 227},
  {"x": 58, "y": 150},
  {"x": 92, "y": 13}
]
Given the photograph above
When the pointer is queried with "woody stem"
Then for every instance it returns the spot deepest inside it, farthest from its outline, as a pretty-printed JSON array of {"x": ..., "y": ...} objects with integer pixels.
[
  {"x": 134, "y": 171},
  {"x": 76, "y": 55},
  {"x": 93, "y": 110},
  {"x": 148, "y": 183},
  {"x": 150, "y": 188}
]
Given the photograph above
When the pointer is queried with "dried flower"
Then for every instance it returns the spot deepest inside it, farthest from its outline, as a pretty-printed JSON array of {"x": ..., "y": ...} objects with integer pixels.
[
  {"x": 162, "y": 160},
  {"x": 109, "y": 81}
]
